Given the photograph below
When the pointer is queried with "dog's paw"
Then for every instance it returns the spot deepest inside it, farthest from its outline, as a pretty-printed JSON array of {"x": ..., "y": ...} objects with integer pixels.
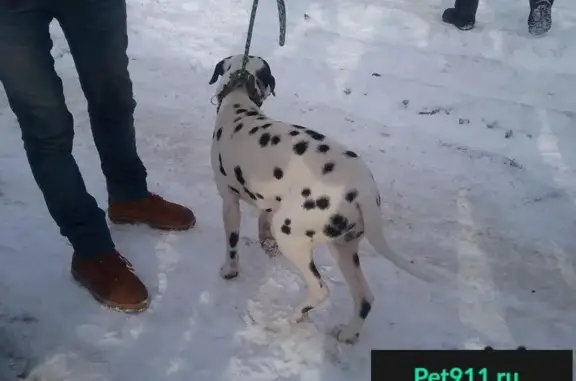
[
  {"x": 228, "y": 271},
  {"x": 270, "y": 247},
  {"x": 299, "y": 316},
  {"x": 344, "y": 334}
]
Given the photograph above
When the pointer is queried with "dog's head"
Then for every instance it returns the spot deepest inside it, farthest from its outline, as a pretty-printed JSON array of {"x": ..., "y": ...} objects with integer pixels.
[{"x": 260, "y": 82}]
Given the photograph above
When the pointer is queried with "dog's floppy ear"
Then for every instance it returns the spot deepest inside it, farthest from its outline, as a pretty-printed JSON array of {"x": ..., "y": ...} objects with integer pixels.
[
  {"x": 218, "y": 71},
  {"x": 265, "y": 75}
]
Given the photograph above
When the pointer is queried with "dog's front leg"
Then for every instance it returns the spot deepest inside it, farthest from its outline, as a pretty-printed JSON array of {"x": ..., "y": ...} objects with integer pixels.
[
  {"x": 267, "y": 241},
  {"x": 231, "y": 217}
]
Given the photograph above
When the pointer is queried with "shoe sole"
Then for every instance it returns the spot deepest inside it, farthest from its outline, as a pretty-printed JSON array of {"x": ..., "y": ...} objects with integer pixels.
[
  {"x": 152, "y": 225},
  {"x": 109, "y": 304},
  {"x": 541, "y": 20}
]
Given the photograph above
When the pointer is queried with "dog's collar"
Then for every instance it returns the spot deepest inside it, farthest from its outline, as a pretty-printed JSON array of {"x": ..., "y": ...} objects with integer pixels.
[{"x": 238, "y": 79}]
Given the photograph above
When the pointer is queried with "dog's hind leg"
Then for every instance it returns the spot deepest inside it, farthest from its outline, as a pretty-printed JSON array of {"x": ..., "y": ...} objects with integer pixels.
[
  {"x": 231, "y": 217},
  {"x": 346, "y": 255},
  {"x": 267, "y": 240},
  {"x": 299, "y": 251}
]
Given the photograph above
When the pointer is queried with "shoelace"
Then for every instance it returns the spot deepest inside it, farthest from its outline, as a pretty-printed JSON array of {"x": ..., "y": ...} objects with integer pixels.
[
  {"x": 126, "y": 262},
  {"x": 116, "y": 265}
]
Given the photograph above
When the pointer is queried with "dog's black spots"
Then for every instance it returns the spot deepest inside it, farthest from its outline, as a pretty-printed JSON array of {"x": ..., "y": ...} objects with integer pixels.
[
  {"x": 323, "y": 148},
  {"x": 259, "y": 196},
  {"x": 314, "y": 270},
  {"x": 378, "y": 200},
  {"x": 351, "y": 154},
  {"x": 351, "y": 196},
  {"x": 236, "y": 105},
  {"x": 286, "y": 229},
  {"x": 359, "y": 234},
  {"x": 287, "y": 221},
  {"x": 251, "y": 113},
  {"x": 278, "y": 173},
  {"x": 233, "y": 189},
  {"x": 275, "y": 140},
  {"x": 261, "y": 117},
  {"x": 241, "y": 111},
  {"x": 219, "y": 134},
  {"x": 328, "y": 167},
  {"x": 365, "y": 308},
  {"x": 233, "y": 239},
  {"x": 253, "y": 130},
  {"x": 233, "y": 254},
  {"x": 249, "y": 193},
  {"x": 239, "y": 175},
  {"x": 231, "y": 275},
  {"x": 294, "y": 133},
  {"x": 298, "y": 127},
  {"x": 264, "y": 139},
  {"x": 238, "y": 127},
  {"x": 300, "y": 147},
  {"x": 337, "y": 226},
  {"x": 306, "y": 192},
  {"x": 356, "y": 259},
  {"x": 306, "y": 309},
  {"x": 340, "y": 221},
  {"x": 309, "y": 204},
  {"x": 269, "y": 210},
  {"x": 220, "y": 166},
  {"x": 315, "y": 135},
  {"x": 278, "y": 198},
  {"x": 310, "y": 233},
  {"x": 265, "y": 126},
  {"x": 331, "y": 231},
  {"x": 323, "y": 202},
  {"x": 349, "y": 237},
  {"x": 237, "y": 119}
]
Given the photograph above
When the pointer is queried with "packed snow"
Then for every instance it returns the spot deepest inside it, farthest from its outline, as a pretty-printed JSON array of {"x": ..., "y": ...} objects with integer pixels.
[{"x": 470, "y": 136}]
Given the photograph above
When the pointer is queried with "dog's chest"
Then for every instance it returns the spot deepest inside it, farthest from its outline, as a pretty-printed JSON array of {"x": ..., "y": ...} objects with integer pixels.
[{"x": 253, "y": 157}]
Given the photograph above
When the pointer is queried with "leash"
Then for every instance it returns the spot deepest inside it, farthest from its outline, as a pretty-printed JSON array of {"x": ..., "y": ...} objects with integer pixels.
[{"x": 242, "y": 74}]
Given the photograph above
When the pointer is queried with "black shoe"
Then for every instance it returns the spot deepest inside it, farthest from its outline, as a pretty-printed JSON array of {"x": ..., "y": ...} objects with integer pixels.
[
  {"x": 450, "y": 16},
  {"x": 540, "y": 18}
]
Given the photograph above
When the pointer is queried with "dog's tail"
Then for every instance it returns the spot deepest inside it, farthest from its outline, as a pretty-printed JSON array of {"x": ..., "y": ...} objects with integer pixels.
[{"x": 373, "y": 226}]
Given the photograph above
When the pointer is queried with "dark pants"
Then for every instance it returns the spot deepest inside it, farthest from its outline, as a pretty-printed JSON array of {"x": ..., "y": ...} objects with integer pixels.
[
  {"x": 467, "y": 8},
  {"x": 97, "y": 35}
]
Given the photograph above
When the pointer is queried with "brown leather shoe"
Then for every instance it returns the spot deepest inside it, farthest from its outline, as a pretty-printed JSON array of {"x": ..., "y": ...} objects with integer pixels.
[
  {"x": 153, "y": 211},
  {"x": 110, "y": 279}
]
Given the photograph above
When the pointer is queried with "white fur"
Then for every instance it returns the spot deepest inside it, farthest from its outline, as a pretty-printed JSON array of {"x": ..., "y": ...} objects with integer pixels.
[{"x": 242, "y": 149}]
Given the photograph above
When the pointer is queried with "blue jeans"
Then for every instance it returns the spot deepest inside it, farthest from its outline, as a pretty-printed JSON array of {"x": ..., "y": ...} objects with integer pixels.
[{"x": 96, "y": 32}]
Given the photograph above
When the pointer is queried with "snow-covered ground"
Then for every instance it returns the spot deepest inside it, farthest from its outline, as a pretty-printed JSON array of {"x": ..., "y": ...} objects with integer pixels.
[{"x": 470, "y": 135}]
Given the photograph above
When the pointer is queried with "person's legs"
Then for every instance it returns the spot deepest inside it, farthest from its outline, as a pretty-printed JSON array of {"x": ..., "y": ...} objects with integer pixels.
[
  {"x": 96, "y": 31},
  {"x": 36, "y": 97},
  {"x": 97, "y": 35},
  {"x": 540, "y": 16},
  {"x": 463, "y": 15}
]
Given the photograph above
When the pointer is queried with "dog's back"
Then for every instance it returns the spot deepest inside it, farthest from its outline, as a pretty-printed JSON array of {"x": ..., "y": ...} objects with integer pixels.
[{"x": 315, "y": 178}]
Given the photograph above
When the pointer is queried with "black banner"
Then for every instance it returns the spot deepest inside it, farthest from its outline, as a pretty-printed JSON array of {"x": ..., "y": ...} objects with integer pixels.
[{"x": 472, "y": 365}]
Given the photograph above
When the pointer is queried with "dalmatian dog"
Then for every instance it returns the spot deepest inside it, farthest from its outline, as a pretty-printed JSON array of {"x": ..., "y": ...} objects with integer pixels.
[{"x": 308, "y": 189}]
